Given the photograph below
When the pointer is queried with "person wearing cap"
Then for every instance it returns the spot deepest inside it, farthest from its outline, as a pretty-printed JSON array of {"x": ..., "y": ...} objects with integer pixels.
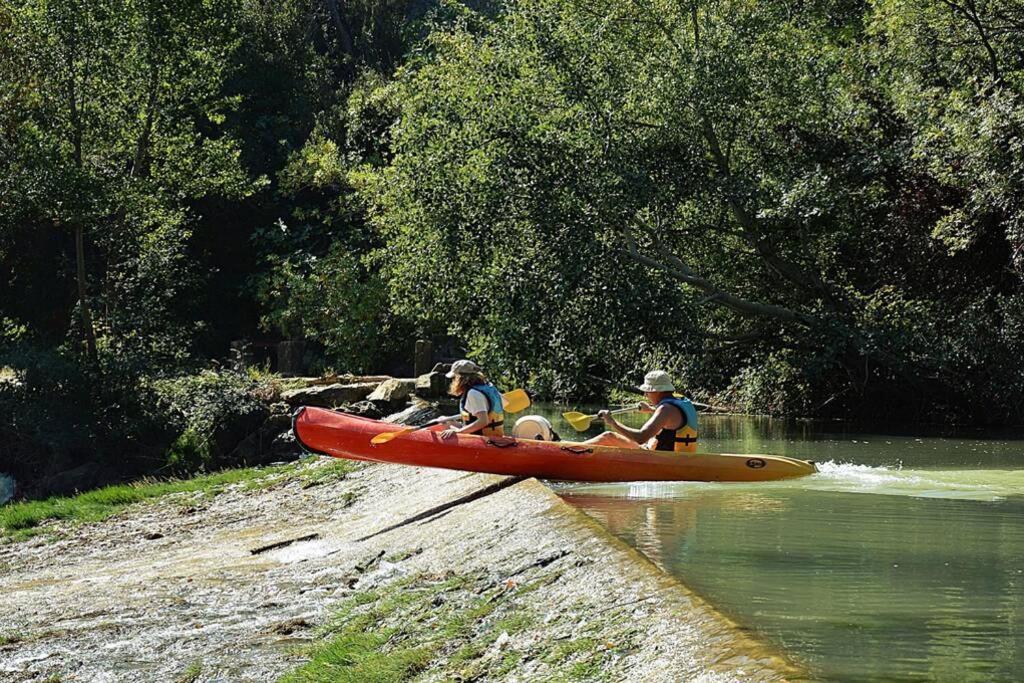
[
  {"x": 480, "y": 402},
  {"x": 672, "y": 427}
]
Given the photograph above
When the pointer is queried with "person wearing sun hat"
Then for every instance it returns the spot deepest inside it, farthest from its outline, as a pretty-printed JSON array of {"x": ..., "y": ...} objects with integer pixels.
[
  {"x": 480, "y": 402},
  {"x": 672, "y": 427}
]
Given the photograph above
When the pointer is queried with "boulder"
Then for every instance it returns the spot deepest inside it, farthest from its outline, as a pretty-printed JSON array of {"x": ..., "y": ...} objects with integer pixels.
[
  {"x": 346, "y": 378},
  {"x": 260, "y": 447},
  {"x": 420, "y": 412},
  {"x": 82, "y": 478},
  {"x": 364, "y": 409},
  {"x": 285, "y": 448},
  {"x": 330, "y": 395},
  {"x": 235, "y": 428},
  {"x": 291, "y": 357},
  {"x": 431, "y": 385},
  {"x": 391, "y": 393}
]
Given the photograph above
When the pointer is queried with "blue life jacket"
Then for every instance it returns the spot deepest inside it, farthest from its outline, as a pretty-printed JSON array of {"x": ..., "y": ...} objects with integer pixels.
[
  {"x": 684, "y": 439},
  {"x": 495, "y": 410}
]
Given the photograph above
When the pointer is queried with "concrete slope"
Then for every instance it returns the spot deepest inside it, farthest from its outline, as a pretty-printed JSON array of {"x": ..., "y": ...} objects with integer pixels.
[{"x": 489, "y": 578}]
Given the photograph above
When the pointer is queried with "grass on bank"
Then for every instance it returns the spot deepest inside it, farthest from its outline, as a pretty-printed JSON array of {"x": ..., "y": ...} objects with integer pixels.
[
  {"x": 450, "y": 626},
  {"x": 19, "y": 521}
]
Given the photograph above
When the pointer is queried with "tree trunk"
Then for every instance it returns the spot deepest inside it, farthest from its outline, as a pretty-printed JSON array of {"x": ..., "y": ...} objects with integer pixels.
[
  {"x": 344, "y": 34},
  {"x": 83, "y": 301},
  {"x": 76, "y": 140}
]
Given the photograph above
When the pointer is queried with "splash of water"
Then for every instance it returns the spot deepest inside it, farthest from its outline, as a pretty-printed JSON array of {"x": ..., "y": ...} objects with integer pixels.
[
  {"x": 983, "y": 485},
  {"x": 842, "y": 477}
]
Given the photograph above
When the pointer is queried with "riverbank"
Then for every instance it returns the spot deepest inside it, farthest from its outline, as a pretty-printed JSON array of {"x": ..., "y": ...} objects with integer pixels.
[{"x": 388, "y": 571}]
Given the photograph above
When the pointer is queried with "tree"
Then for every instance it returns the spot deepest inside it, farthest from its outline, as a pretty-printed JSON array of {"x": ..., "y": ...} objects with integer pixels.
[
  {"x": 748, "y": 151},
  {"x": 117, "y": 136}
]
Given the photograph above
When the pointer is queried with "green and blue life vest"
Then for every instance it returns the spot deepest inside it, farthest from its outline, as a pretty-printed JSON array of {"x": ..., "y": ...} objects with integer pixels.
[
  {"x": 684, "y": 439},
  {"x": 495, "y": 410}
]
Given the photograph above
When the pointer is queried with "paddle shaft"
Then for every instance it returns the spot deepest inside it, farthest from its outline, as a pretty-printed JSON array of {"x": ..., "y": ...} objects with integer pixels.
[
  {"x": 618, "y": 411},
  {"x": 581, "y": 423},
  {"x": 435, "y": 421}
]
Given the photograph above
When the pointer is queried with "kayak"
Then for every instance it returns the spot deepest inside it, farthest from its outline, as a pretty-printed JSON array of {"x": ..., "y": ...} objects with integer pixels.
[{"x": 328, "y": 432}]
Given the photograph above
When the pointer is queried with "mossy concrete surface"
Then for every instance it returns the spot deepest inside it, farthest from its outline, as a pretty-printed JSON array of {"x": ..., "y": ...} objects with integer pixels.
[{"x": 385, "y": 573}]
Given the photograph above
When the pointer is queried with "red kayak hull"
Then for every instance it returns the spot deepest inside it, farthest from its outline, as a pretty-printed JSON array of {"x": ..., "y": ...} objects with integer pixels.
[{"x": 339, "y": 435}]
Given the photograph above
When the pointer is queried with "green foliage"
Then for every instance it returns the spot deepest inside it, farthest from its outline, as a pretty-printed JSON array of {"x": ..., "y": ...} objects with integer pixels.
[
  {"x": 420, "y": 626},
  {"x": 191, "y": 673},
  {"x": 748, "y": 194},
  {"x": 319, "y": 283},
  {"x": 333, "y": 300},
  {"x": 811, "y": 208},
  {"x": 118, "y": 130},
  {"x": 214, "y": 411},
  {"x": 174, "y": 137},
  {"x": 357, "y": 657}
]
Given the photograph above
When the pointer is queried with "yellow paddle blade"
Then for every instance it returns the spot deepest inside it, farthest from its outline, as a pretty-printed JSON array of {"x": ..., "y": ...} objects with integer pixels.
[
  {"x": 515, "y": 401},
  {"x": 384, "y": 437},
  {"x": 578, "y": 421}
]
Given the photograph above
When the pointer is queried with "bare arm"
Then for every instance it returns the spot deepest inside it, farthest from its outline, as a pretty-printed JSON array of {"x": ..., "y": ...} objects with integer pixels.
[
  {"x": 473, "y": 427},
  {"x": 657, "y": 422}
]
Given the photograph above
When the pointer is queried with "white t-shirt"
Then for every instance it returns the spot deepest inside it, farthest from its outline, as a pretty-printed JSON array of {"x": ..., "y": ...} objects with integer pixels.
[{"x": 476, "y": 402}]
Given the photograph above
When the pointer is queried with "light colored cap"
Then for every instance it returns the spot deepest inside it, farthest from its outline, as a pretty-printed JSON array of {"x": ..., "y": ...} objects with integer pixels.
[
  {"x": 657, "y": 380},
  {"x": 464, "y": 367}
]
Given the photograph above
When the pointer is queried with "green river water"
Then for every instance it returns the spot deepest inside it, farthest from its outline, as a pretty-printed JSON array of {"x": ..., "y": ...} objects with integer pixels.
[{"x": 902, "y": 560}]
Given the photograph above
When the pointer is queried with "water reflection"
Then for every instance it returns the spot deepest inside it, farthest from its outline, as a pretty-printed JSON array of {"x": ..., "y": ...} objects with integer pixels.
[
  {"x": 862, "y": 588},
  {"x": 865, "y": 573}
]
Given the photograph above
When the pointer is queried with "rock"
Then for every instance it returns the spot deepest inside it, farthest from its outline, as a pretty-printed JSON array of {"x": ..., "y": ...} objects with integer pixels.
[
  {"x": 423, "y": 356},
  {"x": 284, "y": 447},
  {"x": 365, "y": 409},
  {"x": 391, "y": 393},
  {"x": 286, "y": 628},
  {"x": 346, "y": 378},
  {"x": 82, "y": 478},
  {"x": 265, "y": 444},
  {"x": 392, "y": 390},
  {"x": 330, "y": 395},
  {"x": 280, "y": 408},
  {"x": 237, "y": 428},
  {"x": 7, "y": 488},
  {"x": 291, "y": 357},
  {"x": 276, "y": 424},
  {"x": 420, "y": 412},
  {"x": 431, "y": 385}
]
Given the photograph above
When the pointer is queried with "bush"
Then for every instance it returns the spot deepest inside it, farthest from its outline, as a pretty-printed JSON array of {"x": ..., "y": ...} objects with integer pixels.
[
  {"x": 114, "y": 420},
  {"x": 211, "y": 412}
]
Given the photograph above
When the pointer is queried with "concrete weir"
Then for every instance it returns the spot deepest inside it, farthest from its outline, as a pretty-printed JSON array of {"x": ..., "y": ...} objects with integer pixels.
[{"x": 236, "y": 587}]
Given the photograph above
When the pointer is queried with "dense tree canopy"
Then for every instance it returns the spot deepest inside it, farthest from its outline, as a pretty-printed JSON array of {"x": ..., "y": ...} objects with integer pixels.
[
  {"x": 795, "y": 207},
  {"x": 810, "y": 208}
]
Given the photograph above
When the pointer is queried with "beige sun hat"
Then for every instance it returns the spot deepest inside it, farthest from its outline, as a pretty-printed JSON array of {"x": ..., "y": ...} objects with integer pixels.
[
  {"x": 464, "y": 367},
  {"x": 657, "y": 380}
]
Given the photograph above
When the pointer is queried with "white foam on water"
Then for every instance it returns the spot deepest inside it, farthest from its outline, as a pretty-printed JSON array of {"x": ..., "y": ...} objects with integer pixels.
[
  {"x": 840, "y": 477},
  {"x": 302, "y": 551},
  {"x": 982, "y": 485}
]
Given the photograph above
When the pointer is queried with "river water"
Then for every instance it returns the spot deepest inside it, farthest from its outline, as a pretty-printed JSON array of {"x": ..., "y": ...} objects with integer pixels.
[{"x": 902, "y": 560}]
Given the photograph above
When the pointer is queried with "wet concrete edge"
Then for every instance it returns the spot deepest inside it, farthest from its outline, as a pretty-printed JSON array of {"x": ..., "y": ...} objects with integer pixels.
[{"x": 746, "y": 645}]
